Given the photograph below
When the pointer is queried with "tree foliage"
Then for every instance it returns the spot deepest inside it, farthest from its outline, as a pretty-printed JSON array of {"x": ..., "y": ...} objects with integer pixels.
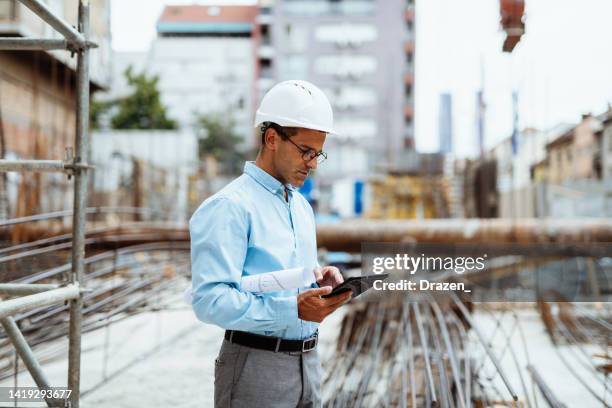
[
  {"x": 218, "y": 139},
  {"x": 97, "y": 109},
  {"x": 142, "y": 109}
]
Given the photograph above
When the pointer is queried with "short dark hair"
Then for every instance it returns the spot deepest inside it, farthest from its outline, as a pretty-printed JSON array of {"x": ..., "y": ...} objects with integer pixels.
[{"x": 283, "y": 132}]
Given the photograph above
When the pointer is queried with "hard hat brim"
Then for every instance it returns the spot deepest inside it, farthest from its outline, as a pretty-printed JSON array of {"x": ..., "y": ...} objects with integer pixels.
[{"x": 286, "y": 122}]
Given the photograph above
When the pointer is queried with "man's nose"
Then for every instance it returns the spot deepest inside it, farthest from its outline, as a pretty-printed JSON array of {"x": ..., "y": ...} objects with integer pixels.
[{"x": 312, "y": 164}]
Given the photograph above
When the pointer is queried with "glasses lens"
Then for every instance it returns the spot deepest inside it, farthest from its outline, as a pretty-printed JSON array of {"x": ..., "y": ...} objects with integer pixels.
[
  {"x": 321, "y": 158},
  {"x": 309, "y": 155}
]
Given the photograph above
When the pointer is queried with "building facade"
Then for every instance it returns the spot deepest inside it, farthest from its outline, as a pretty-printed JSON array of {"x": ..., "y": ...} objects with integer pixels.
[
  {"x": 38, "y": 101},
  {"x": 573, "y": 155},
  {"x": 606, "y": 146},
  {"x": 205, "y": 59},
  {"x": 361, "y": 53}
]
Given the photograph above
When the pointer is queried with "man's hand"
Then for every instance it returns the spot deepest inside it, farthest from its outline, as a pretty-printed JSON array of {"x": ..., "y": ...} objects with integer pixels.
[
  {"x": 328, "y": 276},
  {"x": 314, "y": 309}
]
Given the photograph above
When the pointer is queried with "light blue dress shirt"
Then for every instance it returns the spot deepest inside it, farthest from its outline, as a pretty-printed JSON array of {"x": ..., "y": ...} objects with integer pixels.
[{"x": 245, "y": 229}]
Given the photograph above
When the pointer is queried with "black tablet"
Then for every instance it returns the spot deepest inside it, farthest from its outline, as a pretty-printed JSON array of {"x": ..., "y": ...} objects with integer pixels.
[{"x": 357, "y": 285}]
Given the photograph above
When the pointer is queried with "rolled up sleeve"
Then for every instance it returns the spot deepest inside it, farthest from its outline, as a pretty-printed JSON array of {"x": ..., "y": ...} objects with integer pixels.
[{"x": 219, "y": 233}]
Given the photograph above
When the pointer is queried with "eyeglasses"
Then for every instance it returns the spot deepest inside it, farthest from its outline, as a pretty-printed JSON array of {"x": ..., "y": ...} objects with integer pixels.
[{"x": 307, "y": 154}]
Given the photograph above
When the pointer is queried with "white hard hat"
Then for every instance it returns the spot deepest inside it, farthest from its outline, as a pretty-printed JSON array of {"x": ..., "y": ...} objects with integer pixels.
[{"x": 296, "y": 104}]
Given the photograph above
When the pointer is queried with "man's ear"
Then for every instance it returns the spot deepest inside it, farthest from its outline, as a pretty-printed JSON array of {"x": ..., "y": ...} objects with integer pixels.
[{"x": 271, "y": 139}]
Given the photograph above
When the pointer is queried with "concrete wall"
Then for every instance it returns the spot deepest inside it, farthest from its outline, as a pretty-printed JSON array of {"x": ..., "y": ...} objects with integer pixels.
[
  {"x": 206, "y": 75},
  {"x": 561, "y": 162},
  {"x": 164, "y": 161},
  {"x": 520, "y": 203},
  {"x": 37, "y": 116},
  {"x": 586, "y": 198}
]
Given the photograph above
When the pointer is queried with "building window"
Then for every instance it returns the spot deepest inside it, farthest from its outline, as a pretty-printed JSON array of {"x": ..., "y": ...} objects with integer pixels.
[
  {"x": 295, "y": 38},
  {"x": 346, "y": 33},
  {"x": 356, "y": 128},
  {"x": 266, "y": 68},
  {"x": 293, "y": 66},
  {"x": 408, "y": 91},
  {"x": 345, "y": 66},
  {"x": 351, "y": 97}
]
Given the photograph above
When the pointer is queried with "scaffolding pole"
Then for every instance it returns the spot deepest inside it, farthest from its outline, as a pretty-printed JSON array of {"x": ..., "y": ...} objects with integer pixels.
[
  {"x": 39, "y": 8},
  {"x": 80, "y": 205},
  {"x": 29, "y": 44},
  {"x": 74, "y": 41},
  {"x": 22, "y": 289},
  {"x": 25, "y": 303},
  {"x": 24, "y": 44},
  {"x": 33, "y": 165},
  {"x": 28, "y": 358}
]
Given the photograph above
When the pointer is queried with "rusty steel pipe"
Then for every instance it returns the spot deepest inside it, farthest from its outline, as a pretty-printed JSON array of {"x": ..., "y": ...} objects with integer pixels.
[{"x": 349, "y": 235}]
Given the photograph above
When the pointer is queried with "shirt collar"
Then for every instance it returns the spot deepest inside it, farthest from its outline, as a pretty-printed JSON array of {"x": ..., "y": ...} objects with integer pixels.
[{"x": 265, "y": 179}]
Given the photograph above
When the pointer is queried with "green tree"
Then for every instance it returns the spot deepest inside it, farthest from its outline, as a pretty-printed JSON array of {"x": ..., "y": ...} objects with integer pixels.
[
  {"x": 96, "y": 110},
  {"x": 142, "y": 109},
  {"x": 218, "y": 139}
]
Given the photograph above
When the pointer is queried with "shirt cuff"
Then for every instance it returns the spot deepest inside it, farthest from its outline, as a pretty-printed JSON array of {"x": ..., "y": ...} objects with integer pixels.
[{"x": 286, "y": 309}]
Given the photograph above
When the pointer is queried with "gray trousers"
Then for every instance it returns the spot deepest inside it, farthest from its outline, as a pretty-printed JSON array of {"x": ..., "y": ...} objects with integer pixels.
[{"x": 249, "y": 377}]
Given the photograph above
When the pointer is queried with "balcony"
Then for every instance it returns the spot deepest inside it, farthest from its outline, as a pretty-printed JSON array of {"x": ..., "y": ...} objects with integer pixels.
[
  {"x": 266, "y": 73},
  {"x": 264, "y": 19},
  {"x": 409, "y": 36},
  {"x": 409, "y": 78},
  {"x": 408, "y": 112},
  {"x": 409, "y": 13},
  {"x": 265, "y": 16},
  {"x": 319, "y": 8},
  {"x": 409, "y": 46},
  {"x": 266, "y": 51}
]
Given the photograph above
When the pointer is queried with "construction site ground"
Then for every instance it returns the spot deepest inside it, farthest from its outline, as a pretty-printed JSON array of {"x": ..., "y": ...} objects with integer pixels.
[
  {"x": 153, "y": 359},
  {"x": 166, "y": 357}
]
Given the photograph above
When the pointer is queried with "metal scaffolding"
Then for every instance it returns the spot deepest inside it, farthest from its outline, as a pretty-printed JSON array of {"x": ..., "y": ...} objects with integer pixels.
[{"x": 29, "y": 296}]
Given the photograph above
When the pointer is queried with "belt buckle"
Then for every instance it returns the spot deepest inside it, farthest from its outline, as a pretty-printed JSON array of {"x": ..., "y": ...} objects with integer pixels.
[{"x": 314, "y": 344}]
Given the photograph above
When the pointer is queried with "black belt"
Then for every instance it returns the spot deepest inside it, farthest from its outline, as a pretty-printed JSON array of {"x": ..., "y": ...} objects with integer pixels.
[{"x": 275, "y": 344}]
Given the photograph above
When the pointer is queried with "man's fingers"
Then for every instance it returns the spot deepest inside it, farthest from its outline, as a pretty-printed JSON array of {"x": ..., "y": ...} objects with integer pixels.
[
  {"x": 338, "y": 299},
  {"x": 333, "y": 274},
  {"x": 338, "y": 277},
  {"x": 328, "y": 271},
  {"x": 318, "y": 291},
  {"x": 330, "y": 308},
  {"x": 317, "y": 273}
]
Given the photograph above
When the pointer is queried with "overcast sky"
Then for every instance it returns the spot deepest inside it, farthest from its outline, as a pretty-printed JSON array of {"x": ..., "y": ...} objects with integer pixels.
[{"x": 561, "y": 68}]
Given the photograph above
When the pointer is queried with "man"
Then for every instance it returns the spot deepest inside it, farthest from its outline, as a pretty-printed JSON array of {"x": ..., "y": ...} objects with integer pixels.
[{"x": 260, "y": 223}]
